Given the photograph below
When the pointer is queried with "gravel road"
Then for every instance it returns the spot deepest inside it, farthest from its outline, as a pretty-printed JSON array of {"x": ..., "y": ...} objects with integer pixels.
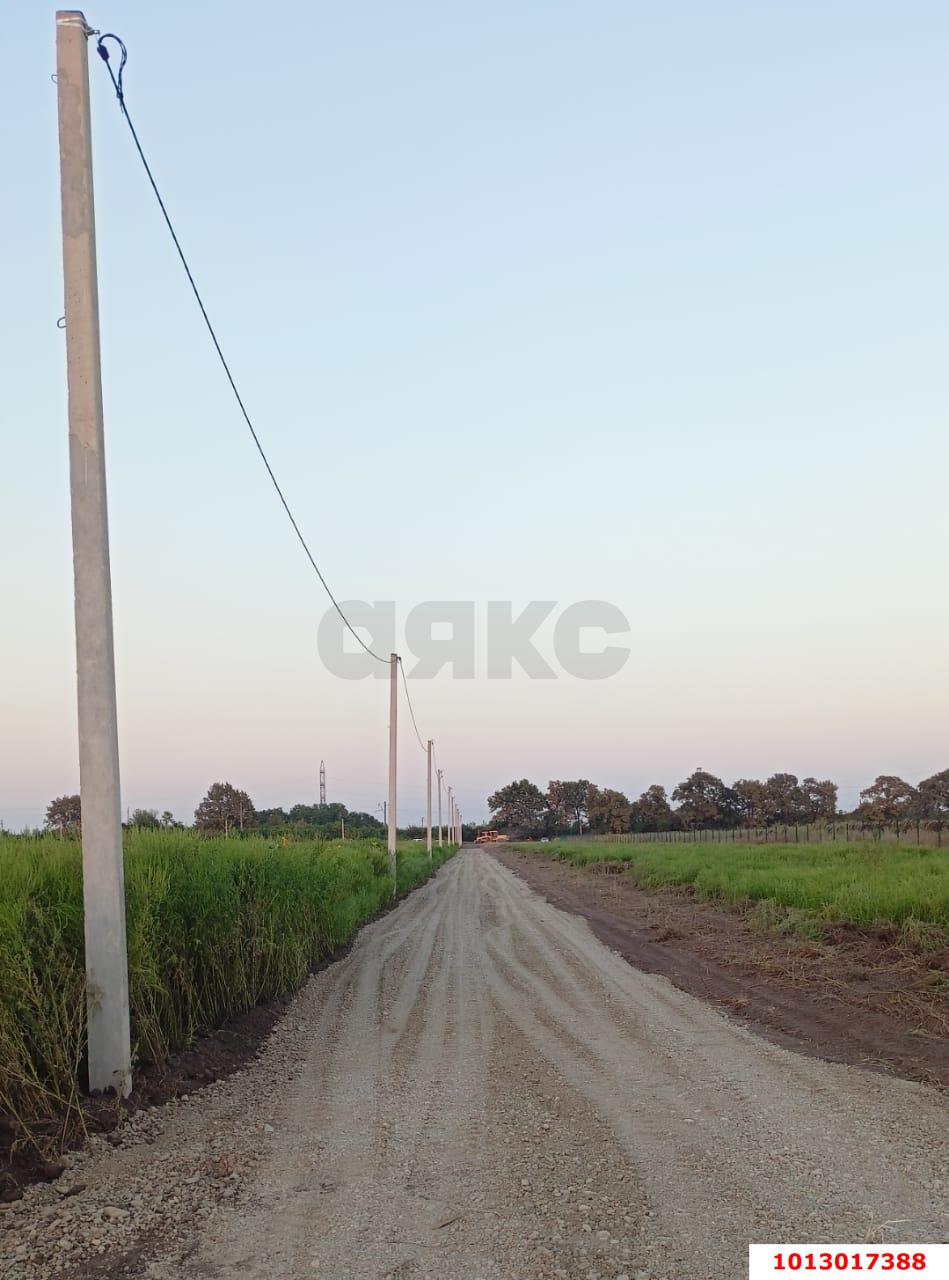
[{"x": 481, "y": 1090}]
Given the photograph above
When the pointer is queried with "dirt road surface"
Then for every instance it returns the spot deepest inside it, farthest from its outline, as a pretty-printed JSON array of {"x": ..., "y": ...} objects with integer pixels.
[{"x": 481, "y": 1090}]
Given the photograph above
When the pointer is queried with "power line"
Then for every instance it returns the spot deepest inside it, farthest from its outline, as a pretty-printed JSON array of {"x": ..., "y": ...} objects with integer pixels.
[
  {"x": 408, "y": 699},
  {"x": 120, "y": 95},
  {"x": 119, "y": 87}
]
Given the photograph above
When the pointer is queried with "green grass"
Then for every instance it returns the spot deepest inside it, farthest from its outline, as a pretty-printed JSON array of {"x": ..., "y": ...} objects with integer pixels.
[
  {"x": 214, "y": 927},
  {"x": 864, "y": 882}
]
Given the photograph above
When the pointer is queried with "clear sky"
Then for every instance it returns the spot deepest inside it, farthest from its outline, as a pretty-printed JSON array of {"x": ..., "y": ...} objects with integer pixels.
[{"x": 629, "y": 301}]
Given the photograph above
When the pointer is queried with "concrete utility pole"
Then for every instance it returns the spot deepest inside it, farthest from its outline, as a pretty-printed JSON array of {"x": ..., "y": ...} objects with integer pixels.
[
  {"x": 451, "y": 811},
  {"x": 393, "y": 750},
  {"x": 439, "y": 772},
  {"x": 322, "y": 782},
  {"x": 428, "y": 803},
  {"x": 103, "y": 881}
]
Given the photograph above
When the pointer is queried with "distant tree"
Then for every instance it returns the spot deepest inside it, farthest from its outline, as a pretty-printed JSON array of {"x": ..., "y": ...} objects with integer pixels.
[
  {"x": 269, "y": 821},
  {"x": 363, "y": 824},
  {"x": 568, "y": 800},
  {"x": 652, "y": 811},
  {"x": 608, "y": 811},
  {"x": 932, "y": 804},
  {"x": 786, "y": 798},
  {"x": 705, "y": 801},
  {"x": 755, "y": 805},
  {"x": 819, "y": 800},
  {"x": 64, "y": 816},
  {"x": 144, "y": 818},
  {"x": 225, "y": 809},
  {"x": 887, "y": 802},
  {"x": 169, "y": 820},
  {"x": 519, "y": 807}
]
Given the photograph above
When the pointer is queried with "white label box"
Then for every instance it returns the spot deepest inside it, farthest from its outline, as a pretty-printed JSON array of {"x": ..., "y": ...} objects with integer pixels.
[{"x": 785, "y": 1261}]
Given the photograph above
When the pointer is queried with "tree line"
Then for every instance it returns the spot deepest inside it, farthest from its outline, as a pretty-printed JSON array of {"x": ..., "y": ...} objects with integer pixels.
[
  {"x": 703, "y": 801},
  {"x": 227, "y": 810}
]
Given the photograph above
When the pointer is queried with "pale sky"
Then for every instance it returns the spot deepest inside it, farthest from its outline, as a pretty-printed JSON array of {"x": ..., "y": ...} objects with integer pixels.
[{"x": 637, "y": 302}]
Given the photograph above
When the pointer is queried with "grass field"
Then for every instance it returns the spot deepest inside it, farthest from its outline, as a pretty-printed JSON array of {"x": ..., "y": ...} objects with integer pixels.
[
  {"x": 865, "y": 883},
  {"x": 214, "y": 927}
]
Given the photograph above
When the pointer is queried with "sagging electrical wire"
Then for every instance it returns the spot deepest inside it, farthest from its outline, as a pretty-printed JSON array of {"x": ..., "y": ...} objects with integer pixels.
[
  {"x": 118, "y": 85},
  {"x": 408, "y": 699}
]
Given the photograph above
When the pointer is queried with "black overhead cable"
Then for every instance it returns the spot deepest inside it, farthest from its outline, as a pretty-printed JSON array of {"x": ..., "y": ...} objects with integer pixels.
[
  {"x": 411, "y": 711},
  {"x": 120, "y": 94}
]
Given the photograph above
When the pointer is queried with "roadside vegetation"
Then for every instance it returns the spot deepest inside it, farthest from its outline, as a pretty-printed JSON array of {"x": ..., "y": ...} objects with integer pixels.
[
  {"x": 703, "y": 802},
  {"x": 864, "y": 883},
  {"x": 215, "y": 926}
]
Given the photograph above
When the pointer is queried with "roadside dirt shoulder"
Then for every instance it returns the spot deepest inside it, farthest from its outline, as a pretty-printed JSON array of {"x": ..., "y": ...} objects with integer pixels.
[{"x": 857, "y": 997}]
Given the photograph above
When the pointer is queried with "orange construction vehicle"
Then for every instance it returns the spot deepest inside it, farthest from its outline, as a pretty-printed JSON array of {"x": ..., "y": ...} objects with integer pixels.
[{"x": 490, "y": 837}]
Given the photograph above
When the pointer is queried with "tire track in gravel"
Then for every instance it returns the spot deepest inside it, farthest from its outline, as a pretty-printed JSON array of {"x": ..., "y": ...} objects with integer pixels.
[{"x": 480, "y": 1090}]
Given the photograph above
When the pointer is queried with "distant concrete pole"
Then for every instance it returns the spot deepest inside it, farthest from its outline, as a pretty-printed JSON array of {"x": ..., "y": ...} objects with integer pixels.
[
  {"x": 439, "y": 772},
  {"x": 461, "y": 838},
  {"x": 428, "y": 803},
  {"x": 451, "y": 813},
  {"x": 103, "y": 884},
  {"x": 393, "y": 750}
]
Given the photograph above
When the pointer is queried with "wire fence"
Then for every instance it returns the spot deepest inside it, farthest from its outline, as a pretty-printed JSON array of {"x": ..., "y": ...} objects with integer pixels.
[{"x": 913, "y": 833}]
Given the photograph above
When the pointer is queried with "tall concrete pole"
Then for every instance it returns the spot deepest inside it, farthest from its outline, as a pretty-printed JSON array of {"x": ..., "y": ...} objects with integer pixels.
[
  {"x": 393, "y": 751},
  {"x": 103, "y": 887},
  {"x": 451, "y": 812},
  {"x": 439, "y": 772},
  {"x": 428, "y": 803}
]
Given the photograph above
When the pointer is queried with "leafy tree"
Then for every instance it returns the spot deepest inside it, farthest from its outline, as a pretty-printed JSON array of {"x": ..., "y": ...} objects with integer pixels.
[
  {"x": 568, "y": 800},
  {"x": 144, "y": 818},
  {"x": 819, "y": 800},
  {"x": 64, "y": 815},
  {"x": 933, "y": 800},
  {"x": 786, "y": 797},
  {"x": 224, "y": 808},
  {"x": 323, "y": 821},
  {"x": 520, "y": 807},
  {"x": 652, "y": 811},
  {"x": 364, "y": 824},
  {"x": 887, "y": 802},
  {"x": 169, "y": 821},
  {"x": 270, "y": 821},
  {"x": 608, "y": 811},
  {"x": 755, "y": 806},
  {"x": 318, "y": 816},
  {"x": 705, "y": 801}
]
